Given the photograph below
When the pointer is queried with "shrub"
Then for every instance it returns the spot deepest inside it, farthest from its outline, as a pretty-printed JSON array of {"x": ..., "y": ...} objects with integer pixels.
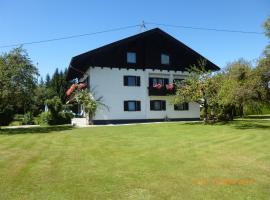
[
  {"x": 44, "y": 118},
  {"x": 55, "y": 115},
  {"x": 28, "y": 119},
  {"x": 6, "y": 115}
]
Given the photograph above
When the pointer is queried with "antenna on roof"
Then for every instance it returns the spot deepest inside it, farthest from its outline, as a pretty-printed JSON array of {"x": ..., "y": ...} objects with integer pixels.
[{"x": 143, "y": 26}]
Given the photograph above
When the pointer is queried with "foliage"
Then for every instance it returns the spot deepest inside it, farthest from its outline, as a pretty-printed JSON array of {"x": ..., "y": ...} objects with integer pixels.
[
  {"x": 266, "y": 26},
  {"x": 56, "y": 114},
  {"x": 6, "y": 114},
  {"x": 241, "y": 87},
  {"x": 223, "y": 95},
  {"x": 79, "y": 95},
  {"x": 18, "y": 79},
  {"x": 28, "y": 119},
  {"x": 89, "y": 104},
  {"x": 200, "y": 87},
  {"x": 57, "y": 85},
  {"x": 39, "y": 98},
  {"x": 44, "y": 118}
]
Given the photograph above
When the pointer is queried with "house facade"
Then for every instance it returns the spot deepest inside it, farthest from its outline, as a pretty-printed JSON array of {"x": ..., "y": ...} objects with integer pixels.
[{"x": 136, "y": 76}]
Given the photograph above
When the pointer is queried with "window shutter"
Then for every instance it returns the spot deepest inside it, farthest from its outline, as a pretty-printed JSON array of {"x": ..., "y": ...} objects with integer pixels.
[
  {"x": 166, "y": 81},
  {"x": 138, "y": 106},
  {"x": 138, "y": 81},
  {"x": 150, "y": 82},
  {"x": 163, "y": 105},
  {"x": 125, "y": 105},
  {"x": 186, "y": 106},
  {"x": 125, "y": 80},
  {"x": 151, "y": 105}
]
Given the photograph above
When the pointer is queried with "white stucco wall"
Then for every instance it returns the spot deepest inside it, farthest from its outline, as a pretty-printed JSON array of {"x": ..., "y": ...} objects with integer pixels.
[{"x": 108, "y": 83}]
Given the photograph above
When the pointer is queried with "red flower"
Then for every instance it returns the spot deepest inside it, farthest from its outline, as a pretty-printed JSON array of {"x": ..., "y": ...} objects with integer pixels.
[
  {"x": 71, "y": 89},
  {"x": 169, "y": 87},
  {"x": 157, "y": 86},
  {"x": 82, "y": 85}
]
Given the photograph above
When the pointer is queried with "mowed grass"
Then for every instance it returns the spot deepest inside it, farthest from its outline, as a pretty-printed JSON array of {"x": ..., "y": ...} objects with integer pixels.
[{"x": 154, "y": 161}]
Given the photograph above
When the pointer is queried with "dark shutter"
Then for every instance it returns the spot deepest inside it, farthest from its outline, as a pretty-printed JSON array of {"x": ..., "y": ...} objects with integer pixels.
[
  {"x": 138, "y": 106},
  {"x": 151, "y": 105},
  {"x": 150, "y": 82},
  {"x": 163, "y": 105},
  {"x": 186, "y": 106},
  {"x": 125, "y": 105},
  {"x": 138, "y": 81},
  {"x": 166, "y": 81},
  {"x": 125, "y": 80}
]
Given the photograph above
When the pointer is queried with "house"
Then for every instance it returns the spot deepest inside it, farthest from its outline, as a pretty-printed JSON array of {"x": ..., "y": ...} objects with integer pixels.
[{"x": 134, "y": 76}]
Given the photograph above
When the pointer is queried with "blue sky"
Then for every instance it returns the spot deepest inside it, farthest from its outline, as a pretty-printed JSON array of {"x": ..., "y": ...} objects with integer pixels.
[{"x": 31, "y": 20}]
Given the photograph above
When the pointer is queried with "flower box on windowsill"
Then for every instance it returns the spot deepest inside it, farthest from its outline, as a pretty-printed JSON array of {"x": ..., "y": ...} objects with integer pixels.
[{"x": 161, "y": 91}]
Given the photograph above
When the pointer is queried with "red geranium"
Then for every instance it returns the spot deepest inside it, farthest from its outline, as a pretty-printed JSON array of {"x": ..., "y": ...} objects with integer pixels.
[
  {"x": 169, "y": 87},
  {"x": 74, "y": 86},
  {"x": 157, "y": 86},
  {"x": 71, "y": 89},
  {"x": 82, "y": 85}
]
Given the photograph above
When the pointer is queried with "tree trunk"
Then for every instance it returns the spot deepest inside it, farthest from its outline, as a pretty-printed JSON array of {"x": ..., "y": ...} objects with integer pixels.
[
  {"x": 241, "y": 110},
  {"x": 205, "y": 110}
]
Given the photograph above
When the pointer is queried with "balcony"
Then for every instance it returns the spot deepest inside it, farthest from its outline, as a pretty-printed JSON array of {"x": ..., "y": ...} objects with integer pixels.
[{"x": 160, "y": 90}]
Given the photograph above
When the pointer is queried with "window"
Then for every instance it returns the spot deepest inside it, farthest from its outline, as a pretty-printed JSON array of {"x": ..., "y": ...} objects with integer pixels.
[
  {"x": 132, "y": 81},
  {"x": 132, "y": 105},
  {"x": 157, "y": 105},
  {"x": 131, "y": 57},
  {"x": 183, "y": 106},
  {"x": 165, "y": 59},
  {"x": 154, "y": 81}
]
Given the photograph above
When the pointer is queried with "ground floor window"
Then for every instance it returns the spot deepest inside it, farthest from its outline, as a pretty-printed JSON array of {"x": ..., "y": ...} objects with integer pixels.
[
  {"x": 183, "y": 106},
  {"x": 157, "y": 105},
  {"x": 132, "y": 105}
]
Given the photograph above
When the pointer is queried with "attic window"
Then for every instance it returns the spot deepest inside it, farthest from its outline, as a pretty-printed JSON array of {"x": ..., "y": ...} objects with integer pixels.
[
  {"x": 131, "y": 57},
  {"x": 165, "y": 59}
]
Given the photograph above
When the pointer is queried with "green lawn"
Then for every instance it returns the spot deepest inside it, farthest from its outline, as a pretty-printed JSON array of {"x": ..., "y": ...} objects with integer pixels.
[{"x": 154, "y": 161}]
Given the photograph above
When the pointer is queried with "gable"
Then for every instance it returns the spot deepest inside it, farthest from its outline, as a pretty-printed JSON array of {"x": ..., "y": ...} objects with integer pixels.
[{"x": 148, "y": 47}]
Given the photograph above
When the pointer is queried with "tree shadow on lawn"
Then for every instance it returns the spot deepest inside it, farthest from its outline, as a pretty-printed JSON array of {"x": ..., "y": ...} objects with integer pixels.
[
  {"x": 238, "y": 124},
  {"x": 254, "y": 124},
  {"x": 34, "y": 130}
]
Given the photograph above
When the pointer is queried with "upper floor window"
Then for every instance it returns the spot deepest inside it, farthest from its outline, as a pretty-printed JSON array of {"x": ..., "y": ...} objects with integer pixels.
[
  {"x": 132, "y": 81},
  {"x": 155, "y": 81},
  {"x": 165, "y": 59},
  {"x": 131, "y": 57},
  {"x": 183, "y": 106},
  {"x": 132, "y": 105}
]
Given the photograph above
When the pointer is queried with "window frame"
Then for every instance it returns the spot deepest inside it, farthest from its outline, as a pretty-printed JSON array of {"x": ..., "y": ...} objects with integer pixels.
[
  {"x": 137, "y": 105},
  {"x": 137, "y": 80},
  {"x": 164, "y": 81},
  {"x": 130, "y": 59},
  {"x": 162, "y": 105},
  {"x": 181, "y": 107},
  {"x": 163, "y": 57}
]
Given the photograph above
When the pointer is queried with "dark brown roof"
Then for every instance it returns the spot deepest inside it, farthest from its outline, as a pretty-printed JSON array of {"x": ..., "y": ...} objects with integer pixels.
[{"x": 148, "y": 47}]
